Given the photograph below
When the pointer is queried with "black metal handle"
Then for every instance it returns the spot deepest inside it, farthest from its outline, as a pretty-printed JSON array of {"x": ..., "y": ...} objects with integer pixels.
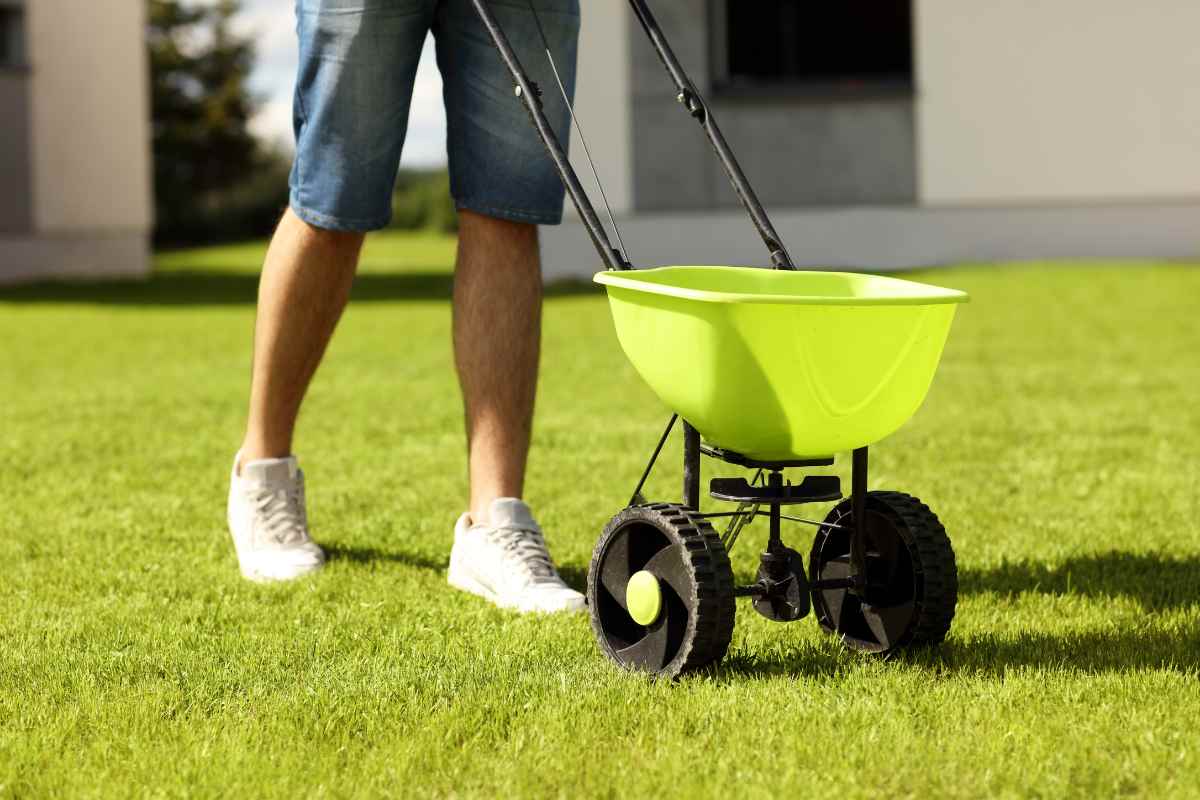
[
  {"x": 691, "y": 100},
  {"x": 528, "y": 92}
]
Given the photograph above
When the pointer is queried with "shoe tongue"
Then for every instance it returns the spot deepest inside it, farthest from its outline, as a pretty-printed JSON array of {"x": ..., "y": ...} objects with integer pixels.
[
  {"x": 270, "y": 470},
  {"x": 509, "y": 512}
]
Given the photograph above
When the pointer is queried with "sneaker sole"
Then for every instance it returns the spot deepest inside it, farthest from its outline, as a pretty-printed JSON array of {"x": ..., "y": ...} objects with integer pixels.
[
  {"x": 467, "y": 583},
  {"x": 464, "y": 581},
  {"x": 273, "y": 573},
  {"x": 276, "y": 575}
]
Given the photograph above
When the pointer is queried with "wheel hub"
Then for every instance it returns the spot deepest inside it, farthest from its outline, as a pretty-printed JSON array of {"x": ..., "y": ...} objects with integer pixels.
[
  {"x": 660, "y": 590},
  {"x": 786, "y": 597},
  {"x": 643, "y": 597},
  {"x": 906, "y": 592}
]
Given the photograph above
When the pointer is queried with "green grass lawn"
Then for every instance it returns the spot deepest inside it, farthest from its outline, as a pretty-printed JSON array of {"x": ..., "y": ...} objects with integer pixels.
[{"x": 1059, "y": 445}]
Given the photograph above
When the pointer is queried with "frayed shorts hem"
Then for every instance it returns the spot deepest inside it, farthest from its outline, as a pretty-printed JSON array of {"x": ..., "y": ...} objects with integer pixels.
[
  {"x": 332, "y": 223},
  {"x": 511, "y": 214}
]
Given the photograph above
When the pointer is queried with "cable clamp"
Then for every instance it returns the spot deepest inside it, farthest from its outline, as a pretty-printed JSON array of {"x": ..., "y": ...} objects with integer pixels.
[
  {"x": 537, "y": 90},
  {"x": 694, "y": 105}
]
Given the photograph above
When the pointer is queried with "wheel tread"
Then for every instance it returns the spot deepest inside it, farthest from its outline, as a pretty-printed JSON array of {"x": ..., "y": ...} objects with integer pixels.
[
  {"x": 714, "y": 601},
  {"x": 934, "y": 561}
]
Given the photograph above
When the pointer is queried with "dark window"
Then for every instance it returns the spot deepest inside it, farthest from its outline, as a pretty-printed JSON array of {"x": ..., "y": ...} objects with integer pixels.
[
  {"x": 12, "y": 36},
  {"x": 845, "y": 44}
]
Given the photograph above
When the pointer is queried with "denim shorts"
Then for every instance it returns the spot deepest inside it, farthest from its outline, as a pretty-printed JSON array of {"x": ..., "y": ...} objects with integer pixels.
[{"x": 358, "y": 61}]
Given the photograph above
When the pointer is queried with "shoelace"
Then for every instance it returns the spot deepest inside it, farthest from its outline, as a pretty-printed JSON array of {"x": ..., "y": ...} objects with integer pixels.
[
  {"x": 527, "y": 550},
  {"x": 281, "y": 512}
]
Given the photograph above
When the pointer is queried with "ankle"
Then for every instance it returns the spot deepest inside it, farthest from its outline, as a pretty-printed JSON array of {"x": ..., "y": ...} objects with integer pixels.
[
  {"x": 257, "y": 452},
  {"x": 479, "y": 512}
]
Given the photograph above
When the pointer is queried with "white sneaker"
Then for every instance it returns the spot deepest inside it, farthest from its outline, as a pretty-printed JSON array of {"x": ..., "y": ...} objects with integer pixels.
[
  {"x": 507, "y": 563},
  {"x": 268, "y": 521}
]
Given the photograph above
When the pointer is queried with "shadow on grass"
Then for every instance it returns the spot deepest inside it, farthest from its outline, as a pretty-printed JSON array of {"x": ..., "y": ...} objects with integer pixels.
[
  {"x": 993, "y": 656},
  {"x": 216, "y": 288},
  {"x": 1121, "y": 649},
  {"x": 824, "y": 663},
  {"x": 575, "y": 577},
  {"x": 1155, "y": 581},
  {"x": 1158, "y": 583},
  {"x": 370, "y": 555}
]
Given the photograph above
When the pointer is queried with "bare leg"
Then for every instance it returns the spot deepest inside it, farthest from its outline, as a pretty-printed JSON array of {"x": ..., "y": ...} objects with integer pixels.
[
  {"x": 304, "y": 287},
  {"x": 497, "y": 328}
]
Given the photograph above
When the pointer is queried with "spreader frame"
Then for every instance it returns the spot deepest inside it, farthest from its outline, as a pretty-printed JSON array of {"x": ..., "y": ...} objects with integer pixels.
[{"x": 693, "y": 560}]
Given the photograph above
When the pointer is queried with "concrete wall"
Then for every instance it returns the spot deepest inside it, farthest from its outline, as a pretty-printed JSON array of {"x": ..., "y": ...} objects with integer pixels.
[
  {"x": 796, "y": 150},
  {"x": 1017, "y": 103},
  {"x": 89, "y": 94},
  {"x": 819, "y": 153},
  {"x": 1032, "y": 101},
  {"x": 16, "y": 202},
  {"x": 87, "y": 199},
  {"x": 87, "y": 255},
  {"x": 672, "y": 166},
  {"x": 604, "y": 105},
  {"x": 887, "y": 238},
  {"x": 1065, "y": 129}
]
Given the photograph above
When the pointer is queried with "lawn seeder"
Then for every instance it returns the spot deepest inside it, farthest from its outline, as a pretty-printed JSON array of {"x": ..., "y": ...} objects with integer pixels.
[{"x": 769, "y": 370}]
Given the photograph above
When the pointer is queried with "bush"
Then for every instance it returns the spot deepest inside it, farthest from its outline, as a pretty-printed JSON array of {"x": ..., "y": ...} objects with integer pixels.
[
  {"x": 211, "y": 178},
  {"x": 247, "y": 210},
  {"x": 422, "y": 201},
  {"x": 251, "y": 208}
]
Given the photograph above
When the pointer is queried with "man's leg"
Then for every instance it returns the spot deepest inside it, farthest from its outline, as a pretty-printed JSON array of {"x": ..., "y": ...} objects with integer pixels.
[
  {"x": 497, "y": 327},
  {"x": 503, "y": 183},
  {"x": 499, "y": 551},
  {"x": 304, "y": 287},
  {"x": 357, "y": 63}
]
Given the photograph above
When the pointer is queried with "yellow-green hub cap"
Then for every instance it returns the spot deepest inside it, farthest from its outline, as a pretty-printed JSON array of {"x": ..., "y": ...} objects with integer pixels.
[{"x": 643, "y": 598}]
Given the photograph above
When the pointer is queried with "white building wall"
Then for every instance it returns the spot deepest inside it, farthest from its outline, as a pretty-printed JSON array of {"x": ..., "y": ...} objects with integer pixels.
[
  {"x": 1036, "y": 101},
  {"x": 1049, "y": 129},
  {"x": 89, "y": 116}
]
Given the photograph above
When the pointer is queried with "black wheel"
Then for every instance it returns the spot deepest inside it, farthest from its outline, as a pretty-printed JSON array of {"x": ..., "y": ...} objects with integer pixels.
[
  {"x": 660, "y": 590},
  {"x": 912, "y": 580}
]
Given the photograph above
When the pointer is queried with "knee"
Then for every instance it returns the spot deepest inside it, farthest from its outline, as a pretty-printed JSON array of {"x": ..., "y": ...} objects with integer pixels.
[
  {"x": 347, "y": 242},
  {"x": 472, "y": 224}
]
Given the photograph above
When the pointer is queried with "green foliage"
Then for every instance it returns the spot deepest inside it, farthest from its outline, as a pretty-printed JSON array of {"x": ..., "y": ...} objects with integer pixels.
[
  {"x": 247, "y": 209},
  {"x": 1058, "y": 445},
  {"x": 422, "y": 201},
  {"x": 212, "y": 180}
]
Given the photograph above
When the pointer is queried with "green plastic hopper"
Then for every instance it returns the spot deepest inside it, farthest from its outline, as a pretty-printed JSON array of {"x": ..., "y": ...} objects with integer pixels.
[{"x": 778, "y": 364}]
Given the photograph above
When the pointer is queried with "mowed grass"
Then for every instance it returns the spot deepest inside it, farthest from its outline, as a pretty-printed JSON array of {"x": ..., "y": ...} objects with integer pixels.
[{"x": 1059, "y": 445}]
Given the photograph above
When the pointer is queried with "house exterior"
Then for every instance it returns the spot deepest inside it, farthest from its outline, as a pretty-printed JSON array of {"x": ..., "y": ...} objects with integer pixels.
[
  {"x": 75, "y": 170},
  {"x": 884, "y": 134}
]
